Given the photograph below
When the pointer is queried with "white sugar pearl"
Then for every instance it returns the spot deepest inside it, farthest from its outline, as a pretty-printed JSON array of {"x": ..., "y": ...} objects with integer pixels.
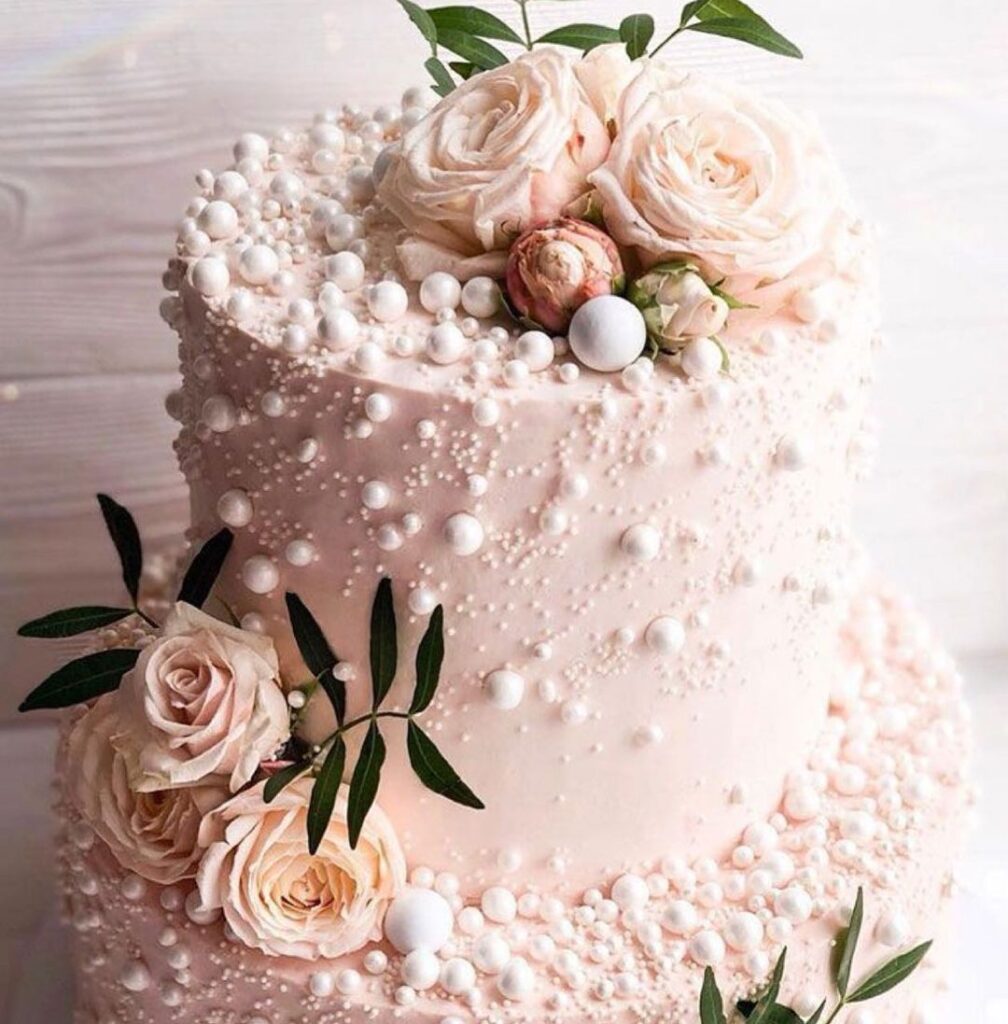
[
  {"x": 641, "y": 542},
  {"x": 219, "y": 219},
  {"x": 378, "y": 407},
  {"x": 665, "y": 635},
  {"x": 383, "y": 161},
  {"x": 793, "y": 904},
  {"x": 375, "y": 961},
  {"x": 464, "y": 533},
  {"x": 743, "y": 932},
  {"x": 240, "y": 304},
  {"x": 701, "y": 359},
  {"x": 481, "y": 297},
  {"x": 477, "y": 485},
  {"x": 792, "y": 453},
  {"x": 387, "y": 301},
  {"x": 422, "y": 600},
  {"x": 286, "y": 187},
  {"x": 491, "y": 953},
  {"x": 388, "y": 537},
  {"x": 348, "y": 981},
  {"x": 497, "y": 903},
  {"x": 553, "y": 522},
  {"x": 504, "y": 689},
  {"x": 251, "y": 145},
  {"x": 679, "y": 917},
  {"x": 272, "y": 403},
  {"x": 134, "y": 977},
  {"x": 368, "y": 357},
  {"x": 421, "y": 969},
  {"x": 295, "y": 339},
  {"x": 446, "y": 343},
  {"x": 707, "y": 948},
  {"x": 516, "y": 373},
  {"x": 536, "y": 349},
  {"x": 330, "y": 297},
  {"x": 229, "y": 185},
  {"x": 209, "y": 276},
  {"x": 235, "y": 508},
  {"x": 440, "y": 291},
  {"x": 345, "y": 270},
  {"x": 516, "y": 980},
  {"x": 327, "y": 135},
  {"x": 306, "y": 450},
  {"x": 630, "y": 891},
  {"x": 635, "y": 376},
  {"x": 338, "y": 328},
  {"x": 376, "y": 494},
  {"x": 219, "y": 414},
  {"x": 573, "y": 712},
  {"x": 300, "y": 552},
  {"x": 343, "y": 230},
  {"x": 811, "y": 304},
  {"x": 260, "y": 575},
  {"x": 360, "y": 183},
  {"x": 801, "y": 803},
  {"x": 418, "y": 919},
  {"x": 470, "y": 921},
  {"x": 607, "y": 333},
  {"x": 458, "y": 976},
  {"x": 322, "y": 984},
  {"x": 892, "y": 929},
  {"x": 486, "y": 412}
]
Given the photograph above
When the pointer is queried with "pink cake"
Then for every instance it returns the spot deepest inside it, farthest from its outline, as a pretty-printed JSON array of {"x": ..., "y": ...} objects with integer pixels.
[{"x": 679, "y": 722}]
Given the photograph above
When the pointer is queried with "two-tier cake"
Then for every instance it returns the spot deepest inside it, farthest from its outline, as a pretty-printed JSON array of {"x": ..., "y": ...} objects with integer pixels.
[{"x": 537, "y": 669}]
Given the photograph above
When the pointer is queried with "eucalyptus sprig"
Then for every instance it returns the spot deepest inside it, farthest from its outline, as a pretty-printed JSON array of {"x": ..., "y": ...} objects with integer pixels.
[
  {"x": 766, "y": 1009},
  {"x": 466, "y": 33},
  {"x": 428, "y": 763},
  {"x": 101, "y": 672}
]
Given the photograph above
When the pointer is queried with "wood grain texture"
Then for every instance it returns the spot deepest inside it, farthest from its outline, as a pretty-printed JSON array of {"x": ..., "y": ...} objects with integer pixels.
[{"x": 108, "y": 108}]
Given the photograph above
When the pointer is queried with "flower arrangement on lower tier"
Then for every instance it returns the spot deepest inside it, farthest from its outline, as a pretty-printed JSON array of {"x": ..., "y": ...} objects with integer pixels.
[{"x": 195, "y": 730}]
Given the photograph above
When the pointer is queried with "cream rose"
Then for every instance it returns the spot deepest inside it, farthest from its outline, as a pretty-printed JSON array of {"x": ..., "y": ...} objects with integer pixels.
[
  {"x": 604, "y": 74},
  {"x": 153, "y": 834},
  {"x": 279, "y": 898},
  {"x": 735, "y": 181},
  {"x": 507, "y": 150},
  {"x": 203, "y": 700}
]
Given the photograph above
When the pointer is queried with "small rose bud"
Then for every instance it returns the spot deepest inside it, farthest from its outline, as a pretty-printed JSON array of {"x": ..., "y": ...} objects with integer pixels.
[
  {"x": 555, "y": 269},
  {"x": 677, "y": 304}
]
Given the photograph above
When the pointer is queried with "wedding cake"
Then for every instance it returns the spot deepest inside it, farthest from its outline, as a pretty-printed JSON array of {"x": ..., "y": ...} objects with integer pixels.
[{"x": 526, "y": 668}]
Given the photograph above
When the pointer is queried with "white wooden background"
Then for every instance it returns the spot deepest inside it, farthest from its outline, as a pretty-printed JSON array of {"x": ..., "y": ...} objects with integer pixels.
[{"x": 107, "y": 107}]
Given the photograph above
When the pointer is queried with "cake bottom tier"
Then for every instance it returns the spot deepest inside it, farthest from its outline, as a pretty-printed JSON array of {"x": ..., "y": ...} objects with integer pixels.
[{"x": 883, "y": 804}]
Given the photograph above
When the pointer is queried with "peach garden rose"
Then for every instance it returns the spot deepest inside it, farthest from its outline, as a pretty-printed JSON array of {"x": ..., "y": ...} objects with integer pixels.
[
  {"x": 203, "y": 701},
  {"x": 284, "y": 901},
  {"x": 507, "y": 150}
]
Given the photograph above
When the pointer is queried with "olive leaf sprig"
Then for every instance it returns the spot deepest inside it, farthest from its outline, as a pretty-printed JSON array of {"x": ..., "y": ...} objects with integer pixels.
[
  {"x": 100, "y": 672},
  {"x": 466, "y": 32},
  {"x": 766, "y": 1009},
  {"x": 427, "y": 761}
]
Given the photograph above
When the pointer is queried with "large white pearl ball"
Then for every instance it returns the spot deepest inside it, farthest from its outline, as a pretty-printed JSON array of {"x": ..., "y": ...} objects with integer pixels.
[
  {"x": 744, "y": 932},
  {"x": 641, "y": 542},
  {"x": 342, "y": 230},
  {"x": 630, "y": 891},
  {"x": 209, "y": 276},
  {"x": 338, "y": 328},
  {"x": 219, "y": 219},
  {"x": 346, "y": 270},
  {"x": 418, "y": 919},
  {"x": 481, "y": 297},
  {"x": 260, "y": 575},
  {"x": 235, "y": 508},
  {"x": 446, "y": 343},
  {"x": 607, "y": 333},
  {"x": 464, "y": 533},
  {"x": 516, "y": 980},
  {"x": 440, "y": 290},
  {"x": 387, "y": 301},
  {"x": 504, "y": 689},
  {"x": 707, "y": 948},
  {"x": 499, "y": 904},
  {"x": 251, "y": 146},
  {"x": 258, "y": 263},
  {"x": 665, "y": 635},
  {"x": 701, "y": 359}
]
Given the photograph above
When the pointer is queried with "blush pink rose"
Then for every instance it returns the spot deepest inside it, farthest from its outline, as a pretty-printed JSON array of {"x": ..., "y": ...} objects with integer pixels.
[
  {"x": 284, "y": 901},
  {"x": 204, "y": 700},
  {"x": 507, "y": 150},
  {"x": 154, "y": 834}
]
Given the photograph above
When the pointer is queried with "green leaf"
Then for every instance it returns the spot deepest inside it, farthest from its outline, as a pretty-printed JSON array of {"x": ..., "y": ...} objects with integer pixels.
[
  {"x": 846, "y": 944},
  {"x": 474, "y": 22},
  {"x": 636, "y": 31},
  {"x": 761, "y": 1011},
  {"x": 283, "y": 778},
  {"x": 429, "y": 656},
  {"x": 316, "y": 652},
  {"x": 889, "y": 975},
  {"x": 82, "y": 680},
  {"x": 747, "y": 31},
  {"x": 690, "y": 10},
  {"x": 434, "y": 771},
  {"x": 711, "y": 1005},
  {"x": 817, "y": 1016},
  {"x": 581, "y": 36},
  {"x": 775, "y": 1013},
  {"x": 364, "y": 783},
  {"x": 123, "y": 530},
  {"x": 323, "y": 795},
  {"x": 384, "y": 647},
  {"x": 423, "y": 21},
  {"x": 463, "y": 69},
  {"x": 443, "y": 81},
  {"x": 204, "y": 569},
  {"x": 72, "y": 621},
  {"x": 476, "y": 51}
]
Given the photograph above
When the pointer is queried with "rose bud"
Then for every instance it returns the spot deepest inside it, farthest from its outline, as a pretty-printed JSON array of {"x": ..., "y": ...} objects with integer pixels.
[
  {"x": 677, "y": 304},
  {"x": 555, "y": 269}
]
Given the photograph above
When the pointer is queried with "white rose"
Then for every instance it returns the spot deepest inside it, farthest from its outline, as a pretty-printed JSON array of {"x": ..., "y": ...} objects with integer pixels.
[
  {"x": 604, "y": 74},
  {"x": 735, "y": 181},
  {"x": 677, "y": 304},
  {"x": 279, "y": 898},
  {"x": 507, "y": 150},
  {"x": 154, "y": 834},
  {"x": 204, "y": 699}
]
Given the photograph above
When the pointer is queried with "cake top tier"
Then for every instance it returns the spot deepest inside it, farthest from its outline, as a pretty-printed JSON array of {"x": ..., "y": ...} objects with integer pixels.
[{"x": 551, "y": 219}]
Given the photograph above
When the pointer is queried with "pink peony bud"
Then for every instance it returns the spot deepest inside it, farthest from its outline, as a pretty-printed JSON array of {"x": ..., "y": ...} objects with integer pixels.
[{"x": 554, "y": 269}]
